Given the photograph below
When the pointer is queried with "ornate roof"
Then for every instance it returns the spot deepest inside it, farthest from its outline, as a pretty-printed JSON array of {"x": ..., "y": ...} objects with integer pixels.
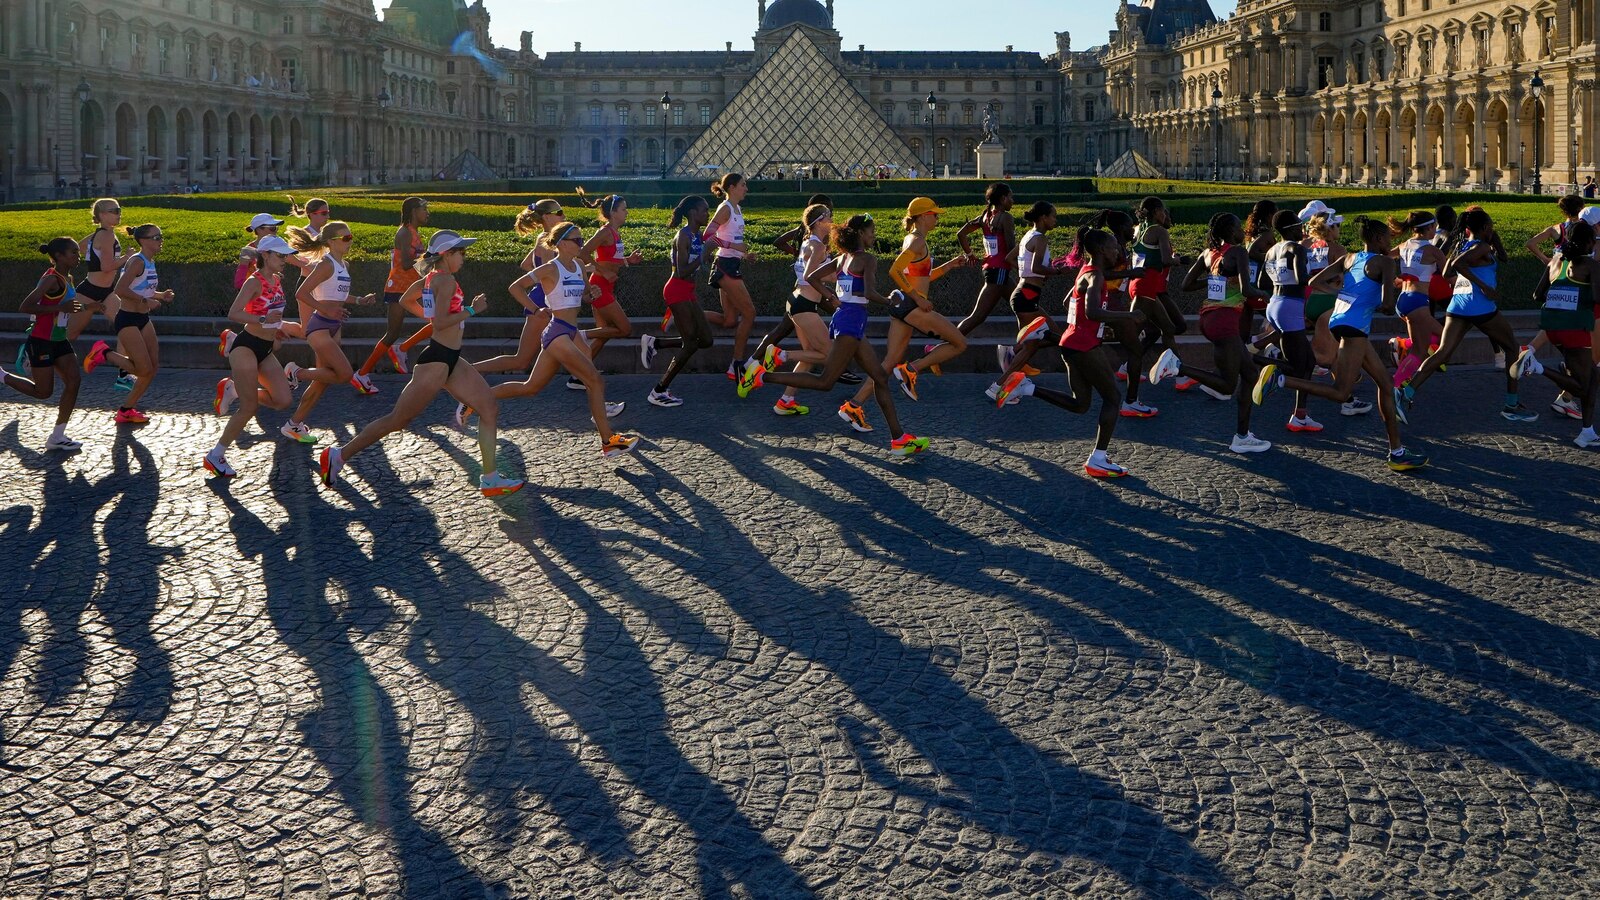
[
  {"x": 1161, "y": 20},
  {"x": 438, "y": 21},
  {"x": 797, "y": 12}
]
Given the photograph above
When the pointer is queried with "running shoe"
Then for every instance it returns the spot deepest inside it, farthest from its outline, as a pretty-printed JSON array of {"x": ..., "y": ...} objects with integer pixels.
[
  {"x": 1271, "y": 351},
  {"x": 647, "y": 350},
  {"x": 124, "y": 383},
  {"x": 1106, "y": 469},
  {"x": 853, "y": 379},
  {"x": 1355, "y": 407},
  {"x": 1138, "y": 410},
  {"x": 907, "y": 378},
  {"x": 1122, "y": 372},
  {"x": 131, "y": 416},
  {"x": 1587, "y": 438},
  {"x": 291, "y": 371},
  {"x": 733, "y": 371},
  {"x": 1006, "y": 354},
  {"x": 225, "y": 342},
  {"x": 618, "y": 445},
  {"x": 751, "y": 378},
  {"x": 1527, "y": 364},
  {"x": 1013, "y": 384},
  {"x": 62, "y": 443},
  {"x": 1167, "y": 364},
  {"x": 1267, "y": 383},
  {"x": 217, "y": 465},
  {"x": 1404, "y": 396},
  {"x": 329, "y": 465},
  {"x": 613, "y": 409},
  {"x": 363, "y": 384},
  {"x": 666, "y": 318},
  {"x": 1404, "y": 460},
  {"x": 397, "y": 358},
  {"x": 1565, "y": 405},
  {"x": 226, "y": 394},
  {"x": 1215, "y": 395},
  {"x": 1304, "y": 424},
  {"x": 573, "y": 384},
  {"x": 789, "y": 406},
  {"x": 463, "y": 413},
  {"x": 1029, "y": 371},
  {"x": 855, "y": 415},
  {"x": 774, "y": 358},
  {"x": 908, "y": 445},
  {"x": 97, "y": 355},
  {"x": 1249, "y": 443},
  {"x": 1518, "y": 413},
  {"x": 298, "y": 431},
  {"x": 1185, "y": 383},
  {"x": 497, "y": 485},
  {"x": 1033, "y": 330},
  {"x": 664, "y": 398}
]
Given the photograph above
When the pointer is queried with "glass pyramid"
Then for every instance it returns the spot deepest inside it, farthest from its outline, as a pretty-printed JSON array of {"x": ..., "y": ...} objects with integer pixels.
[{"x": 798, "y": 110}]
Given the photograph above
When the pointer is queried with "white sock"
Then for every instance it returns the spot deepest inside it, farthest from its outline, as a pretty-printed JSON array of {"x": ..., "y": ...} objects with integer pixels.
[
  {"x": 1098, "y": 458},
  {"x": 1588, "y": 432},
  {"x": 59, "y": 434}
]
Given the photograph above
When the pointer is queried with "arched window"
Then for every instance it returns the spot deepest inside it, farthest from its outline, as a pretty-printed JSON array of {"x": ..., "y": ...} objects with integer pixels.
[
  {"x": 624, "y": 152},
  {"x": 652, "y": 152},
  {"x": 596, "y": 151},
  {"x": 1038, "y": 150}
]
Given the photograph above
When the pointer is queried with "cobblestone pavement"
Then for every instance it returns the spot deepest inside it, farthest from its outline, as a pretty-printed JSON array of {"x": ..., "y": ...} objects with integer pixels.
[{"x": 762, "y": 659}]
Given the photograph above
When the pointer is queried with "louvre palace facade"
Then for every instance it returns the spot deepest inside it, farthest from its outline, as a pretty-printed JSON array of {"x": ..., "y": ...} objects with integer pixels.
[{"x": 147, "y": 95}]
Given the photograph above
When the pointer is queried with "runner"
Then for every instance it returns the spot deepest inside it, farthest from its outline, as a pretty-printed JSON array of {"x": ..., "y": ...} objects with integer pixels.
[
  {"x": 1131, "y": 344},
  {"x": 315, "y": 212},
  {"x": 1421, "y": 265},
  {"x": 792, "y": 242},
  {"x": 325, "y": 292},
  {"x": 440, "y": 301},
  {"x": 1371, "y": 279},
  {"x": 1033, "y": 268},
  {"x": 408, "y": 247},
  {"x": 1088, "y": 369},
  {"x": 137, "y": 297},
  {"x": 537, "y": 219},
  {"x": 1224, "y": 269},
  {"x": 804, "y": 309},
  {"x": 1288, "y": 271},
  {"x": 1567, "y": 317},
  {"x": 565, "y": 289},
  {"x": 98, "y": 287},
  {"x": 259, "y": 307},
  {"x": 913, "y": 270},
  {"x": 1474, "y": 269},
  {"x": 605, "y": 248},
  {"x": 1152, "y": 295},
  {"x": 694, "y": 333},
  {"x": 857, "y": 270},
  {"x": 726, "y": 233},
  {"x": 52, "y": 303},
  {"x": 1571, "y": 207},
  {"x": 1000, "y": 252}
]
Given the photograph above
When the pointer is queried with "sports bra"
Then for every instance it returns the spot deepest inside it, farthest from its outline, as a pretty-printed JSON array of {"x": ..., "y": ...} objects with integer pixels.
[
  {"x": 94, "y": 255},
  {"x": 428, "y": 301},
  {"x": 270, "y": 300},
  {"x": 336, "y": 287},
  {"x": 1025, "y": 256},
  {"x": 53, "y": 326},
  {"x": 731, "y": 231},
  {"x": 801, "y": 263},
  {"x": 611, "y": 253},
  {"x": 850, "y": 286},
  {"x": 1280, "y": 270},
  {"x": 1468, "y": 299},
  {"x": 569, "y": 288}
]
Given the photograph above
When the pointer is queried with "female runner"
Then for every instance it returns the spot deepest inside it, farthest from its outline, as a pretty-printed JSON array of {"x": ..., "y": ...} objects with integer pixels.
[
  {"x": 1000, "y": 251},
  {"x": 97, "y": 290},
  {"x": 1033, "y": 268},
  {"x": 857, "y": 270},
  {"x": 1370, "y": 283},
  {"x": 315, "y": 212},
  {"x": 913, "y": 270},
  {"x": 1152, "y": 295},
  {"x": 438, "y": 366},
  {"x": 1088, "y": 369},
  {"x": 1567, "y": 317},
  {"x": 726, "y": 234},
  {"x": 1224, "y": 269},
  {"x": 793, "y": 242},
  {"x": 259, "y": 307},
  {"x": 1324, "y": 248},
  {"x": 52, "y": 303},
  {"x": 806, "y": 304},
  {"x": 605, "y": 248},
  {"x": 402, "y": 274},
  {"x": 137, "y": 297},
  {"x": 1474, "y": 269},
  {"x": 565, "y": 289},
  {"x": 325, "y": 292},
  {"x": 537, "y": 219},
  {"x": 694, "y": 333},
  {"x": 1287, "y": 271},
  {"x": 1421, "y": 264}
]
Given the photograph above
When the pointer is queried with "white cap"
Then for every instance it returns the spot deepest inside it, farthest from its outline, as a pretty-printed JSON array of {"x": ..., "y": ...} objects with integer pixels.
[
  {"x": 263, "y": 219},
  {"x": 274, "y": 244},
  {"x": 1591, "y": 214},
  {"x": 1317, "y": 208},
  {"x": 445, "y": 241}
]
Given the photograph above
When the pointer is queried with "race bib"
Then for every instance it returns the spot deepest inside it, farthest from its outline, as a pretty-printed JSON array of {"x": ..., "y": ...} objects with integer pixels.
[
  {"x": 1255, "y": 272},
  {"x": 1562, "y": 298},
  {"x": 1463, "y": 286},
  {"x": 1317, "y": 258},
  {"x": 1140, "y": 261},
  {"x": 1281, "y": 271},
  {"x": 1342, "y": 304},
  {"x": 1217, "y": 288},
  {"x": 991, "y": 244}
]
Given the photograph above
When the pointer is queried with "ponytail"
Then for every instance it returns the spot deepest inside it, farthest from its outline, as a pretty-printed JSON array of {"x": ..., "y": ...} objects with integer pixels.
[
  {"x": 722, "y": 186},
  {"x": 314, "y": 246},
  {"x": 1578, "y": 240},
  {"x": 605, "y": 204},
  {"x": 140, "y": 232},
  {"x": 681, "y": 211},
  {"x": 57, "y": 247},
  {"x": 530, "y": 219}
]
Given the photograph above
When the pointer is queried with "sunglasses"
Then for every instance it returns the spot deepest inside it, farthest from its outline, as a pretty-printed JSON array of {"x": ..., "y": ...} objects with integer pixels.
[{"x": 347, "y": 238}]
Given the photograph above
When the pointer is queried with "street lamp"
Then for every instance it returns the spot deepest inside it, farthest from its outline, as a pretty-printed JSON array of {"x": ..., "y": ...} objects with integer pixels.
[
  {"x": 107, "y": 152},
  {"x": 1194, "y": 169},
  {"x": 366, "y": 158},
  {"x": 1405, "y": 165},
  {"x": 1483, "y": 159},
  {"x": 383, "y": 134},
  {"x": 142, "y": 152},
  {"x": 1244, "y": 161},
  {"x": 932, "y": 103},
  {"x": 1216, "y": 137},
  {"x": 84, "y": 92},
  {"x": 666, "y": 104},
  {"x": 1522, "y": 156},
  {"x": 1537, "y": 84}
]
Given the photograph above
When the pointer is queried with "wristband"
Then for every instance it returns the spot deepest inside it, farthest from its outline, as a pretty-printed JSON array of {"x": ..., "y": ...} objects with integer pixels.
[{"x": 472, "y": 311}]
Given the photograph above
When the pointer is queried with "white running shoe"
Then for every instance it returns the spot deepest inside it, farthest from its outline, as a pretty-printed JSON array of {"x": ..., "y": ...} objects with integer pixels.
[
  {"x": 994, "y": 391},
  {"x": 1006, "y": 354},
  {"x": 226, "y": 395},
  {"x": 1213, "y": 394},
  {"x": 463, "y": 413},
  {"x": 664, "y": 398},
  {"x": 363, "y": 384},
  {"x": 291, "y": 371},
  {"x": 1355, "y": 408},
  {"x": 573, "y": 384},
  {"x": 1567, "y": 406},
  {"x": 1587, "y": 438},
  {"x": 217, "y": 465},
  {"x": 1138, "y": 410},
  {"x": 1166, "y": 366},
  {"x": 647, "y": 350},
  {"x": 613, "y": 409},
  {"x": 1249, "y": 443},
  {"x": 62, "y": 443},
  {"x": 297, "y": 431},
  {"x": 498, "y": 485},
  {"x": 1528, "y": 364}
]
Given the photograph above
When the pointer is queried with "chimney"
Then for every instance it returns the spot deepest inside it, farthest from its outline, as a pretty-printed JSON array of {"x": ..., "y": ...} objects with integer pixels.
[
  {"x": 729, "y": 45},
  {"x": 1010, "y": 48},
  {"x": 862, "y": 48},
  {"x": 527, "y": 42},
  {"x": 577, "y": 46},
  {"x": 761, "y": 12}
]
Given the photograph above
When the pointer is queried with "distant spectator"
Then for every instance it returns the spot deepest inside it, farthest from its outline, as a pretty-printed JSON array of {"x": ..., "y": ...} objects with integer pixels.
[{"x": 1589, "y": 188}]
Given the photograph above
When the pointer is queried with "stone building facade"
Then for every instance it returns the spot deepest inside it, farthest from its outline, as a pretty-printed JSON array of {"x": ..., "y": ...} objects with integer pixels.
[{"x": 153, "y": 94}]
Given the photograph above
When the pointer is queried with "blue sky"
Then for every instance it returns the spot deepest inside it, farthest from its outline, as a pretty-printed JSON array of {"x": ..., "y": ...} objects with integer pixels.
[{"x": 880, "y": 24}]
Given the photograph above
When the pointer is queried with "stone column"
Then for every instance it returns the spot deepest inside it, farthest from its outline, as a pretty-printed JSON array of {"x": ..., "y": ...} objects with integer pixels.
[
  {"x": 1421, "y": 152},
  {"x": 1480, "y": 138}
]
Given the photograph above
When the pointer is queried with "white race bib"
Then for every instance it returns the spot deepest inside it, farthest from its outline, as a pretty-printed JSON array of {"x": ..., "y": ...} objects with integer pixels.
[
  {"x": 1463, "y": 286},
  {"x": 1342, "y": 304},
  {"x": 1281, "y": 271},
  {"x": 991, "y": 244},
  {"x": 1562, "y": 298},
  {"x": 1255, "y": 272},
  {"x": 1217, "y": 288},
  {"x": 1140, "y": 261}
]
